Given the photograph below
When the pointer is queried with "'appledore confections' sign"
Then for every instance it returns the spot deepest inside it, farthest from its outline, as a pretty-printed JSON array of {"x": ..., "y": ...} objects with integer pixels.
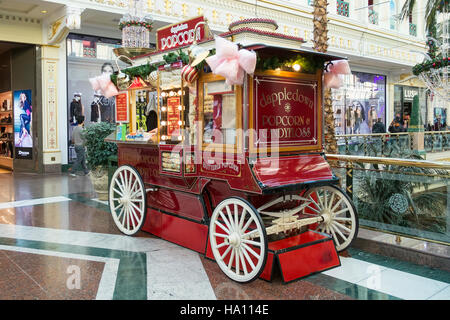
[
  {"x": 180, "y": 34},
  {"x": 285, "y": 112}
]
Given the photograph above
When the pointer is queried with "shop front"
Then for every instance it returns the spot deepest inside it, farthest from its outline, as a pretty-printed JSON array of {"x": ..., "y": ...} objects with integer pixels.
[
  {"x": 359, "y": 103},
  {"x": 403, "y": 103},
  {"x": 19, "y": 107}
]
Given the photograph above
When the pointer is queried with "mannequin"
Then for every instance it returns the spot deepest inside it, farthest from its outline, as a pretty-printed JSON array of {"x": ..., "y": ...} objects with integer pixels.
[
  {"x": 76, "y": 108},
  {"x": 96, "y": 111},
  {"x": 373, "y": 116}
]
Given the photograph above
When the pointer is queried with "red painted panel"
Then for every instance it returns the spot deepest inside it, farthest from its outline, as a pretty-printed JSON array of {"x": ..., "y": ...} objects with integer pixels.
[
  {"x": 152, "y": 223},
  {"x": 188, "y": 234},
  {"x": 180, "y": 203},
  {"x": 267, "y": 272},
  {"x": 311, "y": 259},
  {"x": 282, "y": 171}
]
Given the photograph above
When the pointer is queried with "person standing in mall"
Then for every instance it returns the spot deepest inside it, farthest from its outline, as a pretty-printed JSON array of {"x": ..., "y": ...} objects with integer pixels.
[{"x": 78, "y": 141}]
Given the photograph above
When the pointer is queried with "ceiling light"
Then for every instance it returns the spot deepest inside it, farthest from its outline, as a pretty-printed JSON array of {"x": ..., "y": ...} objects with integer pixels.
[{"x": 44, "y": 11}]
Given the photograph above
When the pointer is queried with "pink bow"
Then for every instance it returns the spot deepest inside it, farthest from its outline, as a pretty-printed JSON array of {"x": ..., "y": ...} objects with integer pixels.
[
  {"x": 331, "y": 77},
  {"x": 230, "y": 62},
  {"x": 104, "y": 84}
]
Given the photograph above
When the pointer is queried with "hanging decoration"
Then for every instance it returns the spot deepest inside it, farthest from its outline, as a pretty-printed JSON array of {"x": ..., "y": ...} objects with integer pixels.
[
  {"x": 189, "y": 73},
  {"x": 104, "y": 85},
  {"x": 136, "y": 25},
  {"x": 334, "y": 69},
  {"x": 230, "y": 62}
]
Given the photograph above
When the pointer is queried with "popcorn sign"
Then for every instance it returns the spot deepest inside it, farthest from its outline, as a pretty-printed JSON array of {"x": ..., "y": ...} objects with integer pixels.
[{"x": 180, "y": 34}]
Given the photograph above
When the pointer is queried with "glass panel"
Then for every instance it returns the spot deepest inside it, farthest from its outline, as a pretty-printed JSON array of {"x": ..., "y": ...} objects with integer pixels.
[
  {"x": 171, "y": 106},
  {"x": 219, "y": 113},
  {"x": 405, "y": 200}
]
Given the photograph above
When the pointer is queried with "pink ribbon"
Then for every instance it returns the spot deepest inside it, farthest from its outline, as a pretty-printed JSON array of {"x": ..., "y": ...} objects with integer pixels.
[
  {"x": 230, "y": 62},
  {"x": 331, "y": 77},
  {"x": 104, "y": 84}
]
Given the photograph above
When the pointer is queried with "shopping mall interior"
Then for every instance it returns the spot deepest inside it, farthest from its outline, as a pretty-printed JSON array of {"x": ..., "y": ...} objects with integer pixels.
[{"x": 215, "y": 151}]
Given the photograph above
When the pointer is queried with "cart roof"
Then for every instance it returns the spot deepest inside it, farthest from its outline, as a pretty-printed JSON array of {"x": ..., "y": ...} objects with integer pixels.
[{"x": 268, "y": 51}]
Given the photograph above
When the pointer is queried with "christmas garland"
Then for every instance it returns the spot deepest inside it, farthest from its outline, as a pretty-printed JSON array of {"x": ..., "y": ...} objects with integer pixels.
[
  {"x": 436, "y": 63},
  {"x": 307, "y": 64},
  {"x": 134, "y": 23}
]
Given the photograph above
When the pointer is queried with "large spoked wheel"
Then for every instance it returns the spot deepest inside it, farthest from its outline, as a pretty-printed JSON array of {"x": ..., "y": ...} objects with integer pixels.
[
  {"x": 238, "y": 240},
  {"x": 339, "y": 214},
  {"x": 127, "y": 200}
]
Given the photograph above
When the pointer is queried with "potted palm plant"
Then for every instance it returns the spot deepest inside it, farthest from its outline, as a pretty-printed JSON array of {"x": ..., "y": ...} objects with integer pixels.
[{"x": 97, "y": 153}]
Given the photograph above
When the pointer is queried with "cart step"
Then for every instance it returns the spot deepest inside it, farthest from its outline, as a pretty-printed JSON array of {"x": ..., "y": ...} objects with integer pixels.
[{"x": 300, "y": 256}]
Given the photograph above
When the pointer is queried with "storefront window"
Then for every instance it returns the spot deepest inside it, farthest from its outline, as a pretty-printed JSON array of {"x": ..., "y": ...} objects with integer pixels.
[
  {"x": 359, "y": 103},
  {"x": 88, "y": 57}
]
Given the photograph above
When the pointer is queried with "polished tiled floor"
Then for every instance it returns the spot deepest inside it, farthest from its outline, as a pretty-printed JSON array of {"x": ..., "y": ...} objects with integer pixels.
[{"x": 57, "y": 241}]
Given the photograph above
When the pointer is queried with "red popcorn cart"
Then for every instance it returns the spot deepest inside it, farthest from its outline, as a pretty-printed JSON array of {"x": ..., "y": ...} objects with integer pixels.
[{"x": 224, "y": 152}]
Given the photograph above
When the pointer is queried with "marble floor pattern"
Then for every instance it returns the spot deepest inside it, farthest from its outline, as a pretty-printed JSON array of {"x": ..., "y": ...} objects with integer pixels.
[{"x": 58, "y": 241}]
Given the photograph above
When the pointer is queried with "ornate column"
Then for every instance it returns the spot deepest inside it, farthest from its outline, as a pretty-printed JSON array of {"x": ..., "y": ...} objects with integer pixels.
[{"x": 53, "y": 84}]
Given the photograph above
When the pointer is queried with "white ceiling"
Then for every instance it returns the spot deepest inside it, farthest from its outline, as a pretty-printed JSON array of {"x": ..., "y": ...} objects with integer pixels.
[{"x": 28, "y": 8}]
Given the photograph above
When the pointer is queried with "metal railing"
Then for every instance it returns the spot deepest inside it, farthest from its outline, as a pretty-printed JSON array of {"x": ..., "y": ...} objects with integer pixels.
[
  {"x": 400, "y": 196},
  {"x": 437, "y": 141},
  {"x": 392, "y": 144}
]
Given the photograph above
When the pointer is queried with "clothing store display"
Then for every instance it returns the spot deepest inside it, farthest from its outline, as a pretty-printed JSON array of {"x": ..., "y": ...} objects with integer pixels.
[
  {"x": 76, "y": 110},
  {"x": 102, "y": 109}
]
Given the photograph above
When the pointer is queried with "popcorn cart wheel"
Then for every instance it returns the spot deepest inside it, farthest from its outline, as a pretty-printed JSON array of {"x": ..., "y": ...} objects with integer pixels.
[
  {"x": 240, "y": 220},
  {"x": 338, "y": 211},
  {"x": 127, "y": 200}
]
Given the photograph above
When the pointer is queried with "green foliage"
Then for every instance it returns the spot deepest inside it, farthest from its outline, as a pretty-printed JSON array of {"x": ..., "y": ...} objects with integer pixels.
[
  {"x": 307, "y": 64},
  {"x": 98, "y": 151}
]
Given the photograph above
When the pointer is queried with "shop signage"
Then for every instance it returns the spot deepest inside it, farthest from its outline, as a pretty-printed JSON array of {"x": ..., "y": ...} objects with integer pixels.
[
  {"x": 286, "y": 112},
  {"x": 122, "y": 108},
  {"x": 409, "y": 94},
  {"x": 180, "y": 34},
  {"x": 173, "y": 116}
]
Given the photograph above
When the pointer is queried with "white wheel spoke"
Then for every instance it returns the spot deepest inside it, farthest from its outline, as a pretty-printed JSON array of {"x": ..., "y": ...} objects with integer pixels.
[
  {"x": 253, "y": 243},
  {"x": 341, "y": 211},
  {"x": 220, "y": 235},
  {"x": 342, "y": 227},
  {"x": 237, "y": 261},
  {"x": 121, "y": 213},
  {"x": 316, "y": 211},
  {"x": 331, "y": 200},
  {"x": 120, "y": 205},
  {"x": 342, "y": 219},
  {"x": 248, "y": 234},
  {"x": 335, "y": 237},
  {"x": 225, "y": 220},
  {"x": 230, "y": 218},
  {"x": 244, "y": 265},
  {"x": 241, "y": 223},
  {"x": 222, "y": 226},
  {"x": 337, "y": 204},
  {"x": 247, "y": 224},
  {"x": 118, "y": 192},
  {"x": 339, "y": 232},
  {"x": 226, "y": 251},
  {"x": 230, "y": 263},
  {"x": 236, "y": 219},
  {"x": 257, "y": 256},
  {"x": 247, "y": 257},
  {"x": 312, "y": 200},
  {"x": 223, "y": 244}
]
